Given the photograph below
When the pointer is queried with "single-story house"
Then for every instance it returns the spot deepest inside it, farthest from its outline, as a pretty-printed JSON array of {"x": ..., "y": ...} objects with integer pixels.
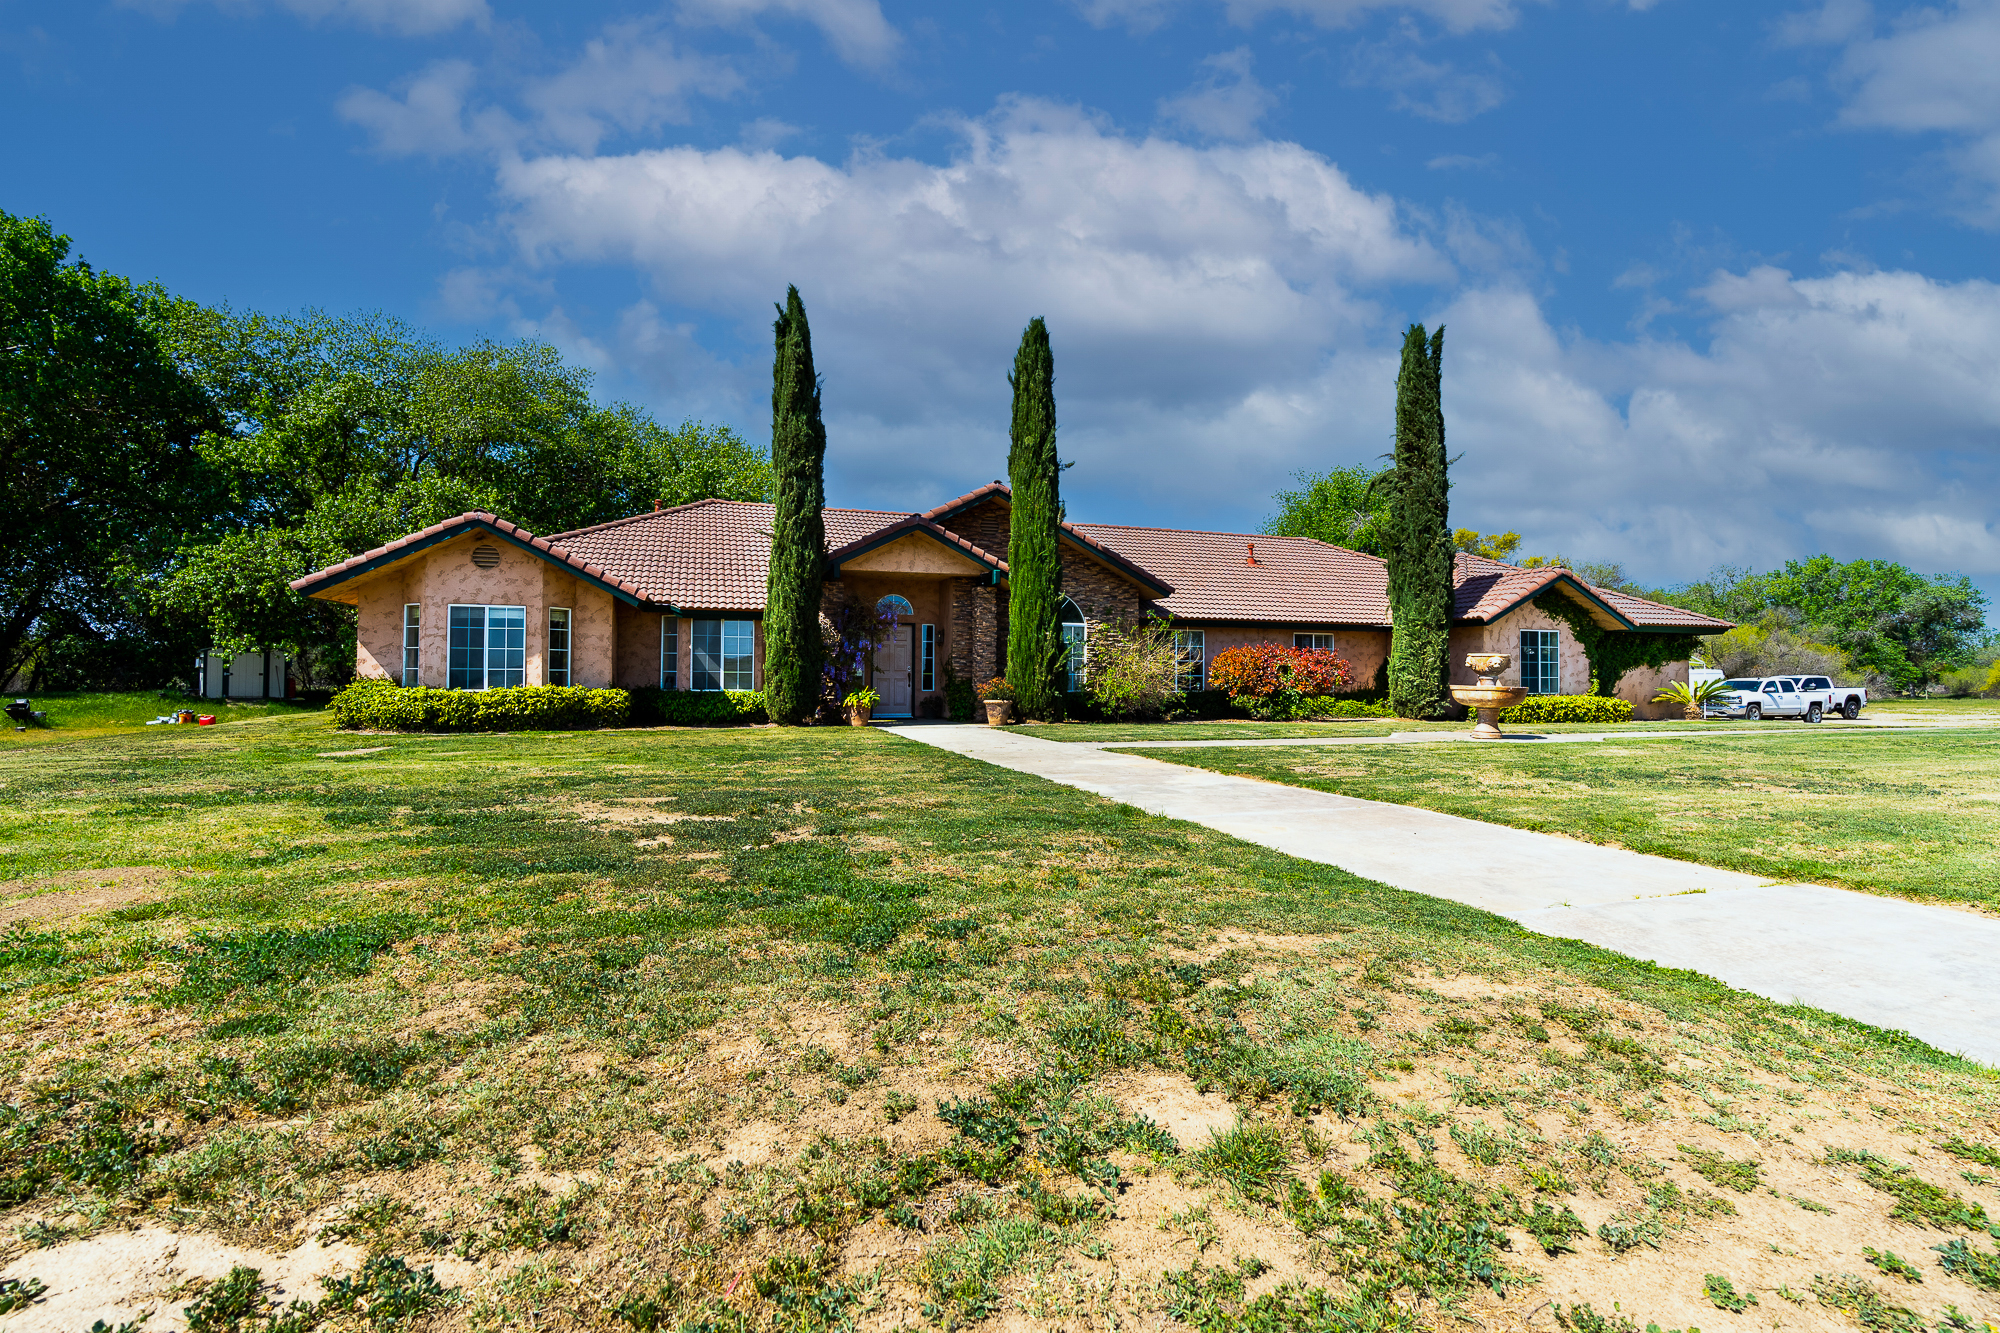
[{"x": 675, "y": 597}]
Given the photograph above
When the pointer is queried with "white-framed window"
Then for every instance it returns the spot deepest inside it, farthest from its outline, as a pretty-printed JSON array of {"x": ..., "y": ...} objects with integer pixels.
[
  {"x": 1191, "y": 652},
  {"x": 1538, "y": 661},
  {"x": 559, "y": 621},
  {"x": 488, "y": 647},
  {"x": 927, "y": 660},
  {"x": 413, "y": 621},
  {"x": 670, "y": 652},
  {"x": 1075, "y": 637},
  {"x": 725, "y": 655},
  {"x": 1313, "y": 641}
]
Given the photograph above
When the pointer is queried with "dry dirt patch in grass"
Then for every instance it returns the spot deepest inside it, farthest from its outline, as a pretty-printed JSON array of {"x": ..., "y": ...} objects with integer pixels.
[{"x": 1080, "y": 1068}]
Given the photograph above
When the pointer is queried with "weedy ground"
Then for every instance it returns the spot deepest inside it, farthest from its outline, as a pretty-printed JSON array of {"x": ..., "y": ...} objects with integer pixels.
[
  {"x": 1915, "y": 814},
  {"x": 721, "y": 1030},
  {"x": 74, "y": 715}
]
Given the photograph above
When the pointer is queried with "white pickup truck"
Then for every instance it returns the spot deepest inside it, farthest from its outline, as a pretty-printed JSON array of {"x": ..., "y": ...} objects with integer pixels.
[
  {"x": 1754, "y": 698},
  {"x": 1834, "y": 700}
]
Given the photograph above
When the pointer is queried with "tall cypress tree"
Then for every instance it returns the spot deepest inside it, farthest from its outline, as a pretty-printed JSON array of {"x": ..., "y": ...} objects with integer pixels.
[
  {"x": 1033, "y": 563},
  {"x": 793, "y": 653},
  {"x": 1420, "y": 551}
]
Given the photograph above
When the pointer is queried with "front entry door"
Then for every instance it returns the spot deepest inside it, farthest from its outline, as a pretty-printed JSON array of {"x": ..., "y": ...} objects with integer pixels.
[{"x": 894, "y": 668}]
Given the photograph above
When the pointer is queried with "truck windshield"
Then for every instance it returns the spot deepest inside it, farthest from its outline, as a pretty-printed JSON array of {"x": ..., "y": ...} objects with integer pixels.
[{"x": 1741, "y": 684}]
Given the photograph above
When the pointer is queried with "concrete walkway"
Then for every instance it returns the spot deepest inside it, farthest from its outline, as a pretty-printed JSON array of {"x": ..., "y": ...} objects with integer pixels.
[{"x": 1930, "y": 971}]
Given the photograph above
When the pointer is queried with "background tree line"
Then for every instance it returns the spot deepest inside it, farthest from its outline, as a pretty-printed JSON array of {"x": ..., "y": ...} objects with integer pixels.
[
  {"x": 171, "y": 467},
  {"x": 1874, "y": 620}
]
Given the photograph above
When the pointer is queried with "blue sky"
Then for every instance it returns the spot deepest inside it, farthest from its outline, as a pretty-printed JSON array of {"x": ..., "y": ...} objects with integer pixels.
[{"x": 1717, "y": 278}]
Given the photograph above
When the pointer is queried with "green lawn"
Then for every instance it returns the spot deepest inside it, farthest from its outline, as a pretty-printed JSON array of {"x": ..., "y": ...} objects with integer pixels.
[
  {"x": 1910, "y": 813},
  {"x": 757, "y": 1029},
  {"x": 79, "y": 714},
  {"x": 1244, "y": 729}
]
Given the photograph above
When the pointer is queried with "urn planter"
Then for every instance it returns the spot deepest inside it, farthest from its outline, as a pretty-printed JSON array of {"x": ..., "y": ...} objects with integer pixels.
[
  {"x": 1489, "y": 696},
  {"x": 999, "y": 712},
  {"x": 858, "y": 714}
]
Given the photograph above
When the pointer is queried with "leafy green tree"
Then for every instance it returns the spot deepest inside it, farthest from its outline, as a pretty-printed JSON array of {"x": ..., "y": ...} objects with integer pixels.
[
  {"x": 1888, "y": 618},
  {"x": 1419, "y": 530},
  {"x": 1490, "y": 545},
  {"x": 793, "y": 651},
  {"x": 338, "y": 434},
  {"x": 1034, "y": 563},
  {"x": 1890, "y": 622},
  {"x": 98, "y": 454},
  {"x": 1346, "y": 506}
]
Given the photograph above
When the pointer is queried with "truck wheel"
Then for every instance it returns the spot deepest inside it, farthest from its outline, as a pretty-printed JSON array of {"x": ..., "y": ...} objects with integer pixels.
[
  {"x": 1812, "y": 713},
  {"x": 1753, "y": 712},
  {"x": 1851, "y": 709}
]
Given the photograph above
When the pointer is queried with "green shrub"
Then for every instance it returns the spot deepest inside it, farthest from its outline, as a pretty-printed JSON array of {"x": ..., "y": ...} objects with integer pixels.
[
  {"x": 380, "y": 705},
  {"x": 1568, "y": 708},
  {"x": 655, "y": 707}
]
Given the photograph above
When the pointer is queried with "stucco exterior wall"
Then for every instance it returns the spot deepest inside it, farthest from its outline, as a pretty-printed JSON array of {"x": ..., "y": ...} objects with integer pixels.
[
  {"x": 1364, "y": 649},
  {"x": 1641, "y": 683},
  {"x": 378, "y": 637},
  {"x": 1504, "y": 636},
  {"x": 636, "y": 661}
]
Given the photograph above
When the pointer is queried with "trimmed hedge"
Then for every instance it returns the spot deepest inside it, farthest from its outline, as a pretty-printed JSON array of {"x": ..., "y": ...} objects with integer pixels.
[
  {"x": 380, "y": 705},
  {"x": 1568, "y": 708},
  {"x": 655, "y": 707}
]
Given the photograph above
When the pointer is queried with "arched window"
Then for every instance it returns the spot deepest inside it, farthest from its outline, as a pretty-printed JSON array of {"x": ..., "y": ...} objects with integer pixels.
[
  {"x": 893, "y": 605},
  {"x": 1074, "y": 634}
]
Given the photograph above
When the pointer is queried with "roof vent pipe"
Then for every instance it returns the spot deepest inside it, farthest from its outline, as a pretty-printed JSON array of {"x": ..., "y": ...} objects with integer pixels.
[{"x": 1251, "y": 559}]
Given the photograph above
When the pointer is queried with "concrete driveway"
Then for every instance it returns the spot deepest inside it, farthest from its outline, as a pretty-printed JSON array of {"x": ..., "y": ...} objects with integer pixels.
[{"x": 1933, "y": 972}]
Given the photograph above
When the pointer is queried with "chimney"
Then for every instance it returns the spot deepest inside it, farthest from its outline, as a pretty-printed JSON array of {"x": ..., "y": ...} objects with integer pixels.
[
  {"x": 656, "y": 506},
  {"x": 1251, "y": 559}
]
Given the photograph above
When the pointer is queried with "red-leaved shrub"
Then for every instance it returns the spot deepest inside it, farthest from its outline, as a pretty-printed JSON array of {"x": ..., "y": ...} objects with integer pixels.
[{"x": 1260, "y": 670}]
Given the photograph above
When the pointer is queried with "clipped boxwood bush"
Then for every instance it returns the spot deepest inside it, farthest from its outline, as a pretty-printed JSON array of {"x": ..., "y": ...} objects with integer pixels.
[
  {"x": 655, "y": 707},
  {"x": 1568, "y": 708},
  {"x": 380, "y": 705}
]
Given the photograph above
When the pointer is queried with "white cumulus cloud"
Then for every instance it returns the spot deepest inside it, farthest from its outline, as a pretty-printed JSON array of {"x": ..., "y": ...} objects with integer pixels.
[{"x": 1929, "y": 71}]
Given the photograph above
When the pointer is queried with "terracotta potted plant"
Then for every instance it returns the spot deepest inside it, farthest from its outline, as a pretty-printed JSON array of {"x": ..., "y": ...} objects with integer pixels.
[
  {"x": 999, "y": 697},
  {"x": 860, "y": 706}
]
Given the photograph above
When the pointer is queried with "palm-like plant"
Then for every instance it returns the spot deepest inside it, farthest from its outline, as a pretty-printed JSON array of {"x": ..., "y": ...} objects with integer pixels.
[{"x": 1693, "y": 699}]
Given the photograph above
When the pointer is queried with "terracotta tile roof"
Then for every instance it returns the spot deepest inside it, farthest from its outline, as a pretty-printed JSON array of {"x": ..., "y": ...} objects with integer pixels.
[
  {"x": 1657, "y": 615},
  {"x": 1296, "y": 580},
  {"x": 476, "y": 520},
  {"x": 712, "y": 555},
  {"x": 1488, "y": 589},
  {"x": 913, "y": 523},
  {"x": 1145, "y": 575}
]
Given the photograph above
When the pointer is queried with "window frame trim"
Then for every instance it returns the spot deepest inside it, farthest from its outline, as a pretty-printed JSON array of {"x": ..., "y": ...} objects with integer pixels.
[
  {"x": 486, "y": 643},
  {"x": 569, "y": 644},
  {"x": 412, "y": 674}
]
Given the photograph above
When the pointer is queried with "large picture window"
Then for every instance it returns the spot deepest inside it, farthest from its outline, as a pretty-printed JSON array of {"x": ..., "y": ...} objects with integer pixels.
[
  {"x": 558, "y": 645},
  {"x": 725, "y": 655},
  {"x": 413, "y": 618},
  {"x": 1538, "y": 661},
  {"x": 927, "y": 662},
  {"x": 488, "y": 647},
  {"x": 670, "y": 652},
  {"x": 1191, "y": 654}
]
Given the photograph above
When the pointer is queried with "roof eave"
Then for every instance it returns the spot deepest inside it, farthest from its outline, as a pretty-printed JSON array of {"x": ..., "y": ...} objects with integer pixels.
[{"x": 316, "y": 585}]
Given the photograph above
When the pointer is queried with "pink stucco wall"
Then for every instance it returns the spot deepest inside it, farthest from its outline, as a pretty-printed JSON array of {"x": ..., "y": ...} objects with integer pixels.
[{"x": 1504, "y": 636}]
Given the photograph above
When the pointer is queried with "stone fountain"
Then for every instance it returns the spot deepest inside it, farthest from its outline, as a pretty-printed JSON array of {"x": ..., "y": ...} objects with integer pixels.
[{"x": 1489, "y": 696}]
